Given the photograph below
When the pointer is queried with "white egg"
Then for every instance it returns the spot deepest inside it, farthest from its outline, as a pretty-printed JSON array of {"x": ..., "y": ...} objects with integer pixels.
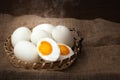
[
  {"x": 20, "y": 34},
  {"x": 48, "y": 50},
  {"x": 37, "y": 35},
  {"x": 46, "y": 27},
  {"x": 65, "y": 51},
  {"x": 62, "y": 34},
  {"x": 26, "y": 51}
]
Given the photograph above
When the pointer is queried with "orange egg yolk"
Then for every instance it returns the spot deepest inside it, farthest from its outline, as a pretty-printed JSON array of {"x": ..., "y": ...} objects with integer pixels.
[
  {"x": 63, "y": 50},
  {"x": 45, "y": 48}
]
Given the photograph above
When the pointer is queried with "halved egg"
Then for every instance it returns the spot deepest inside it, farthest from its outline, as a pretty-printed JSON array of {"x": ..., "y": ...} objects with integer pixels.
[
  {"x": 48, "y": 50},
  {"x": 65, "y": 51}
]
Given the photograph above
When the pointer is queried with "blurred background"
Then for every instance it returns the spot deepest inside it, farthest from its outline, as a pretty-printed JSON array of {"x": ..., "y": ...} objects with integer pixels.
[{"x": 80, "y": 9}]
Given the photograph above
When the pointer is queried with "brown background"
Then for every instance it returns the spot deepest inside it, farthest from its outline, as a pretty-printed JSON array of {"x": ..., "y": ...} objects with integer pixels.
[{"x": 97, "y": 20}]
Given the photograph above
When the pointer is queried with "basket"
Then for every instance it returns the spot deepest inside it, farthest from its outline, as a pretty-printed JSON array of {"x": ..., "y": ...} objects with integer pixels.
[{"x": 42, "y": 65}]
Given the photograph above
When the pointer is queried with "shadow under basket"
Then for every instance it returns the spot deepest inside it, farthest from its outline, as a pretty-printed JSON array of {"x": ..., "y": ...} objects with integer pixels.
[{"x": 41, "y": 64}]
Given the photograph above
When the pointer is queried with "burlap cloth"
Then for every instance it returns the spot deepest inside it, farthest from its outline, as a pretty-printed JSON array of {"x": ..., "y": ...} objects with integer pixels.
[{"x": 100, "y": 56}]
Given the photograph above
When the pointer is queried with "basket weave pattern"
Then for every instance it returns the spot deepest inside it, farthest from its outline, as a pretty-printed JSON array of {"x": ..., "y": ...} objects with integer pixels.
[{"x": 58, "y": 65}]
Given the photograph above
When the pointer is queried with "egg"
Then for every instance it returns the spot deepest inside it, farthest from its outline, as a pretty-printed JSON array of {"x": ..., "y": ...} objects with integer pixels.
[
  {"x": 48, "y": 50},
  {"x": 62, "y": 34},
  {"x": 46, "y": 27},
  {"x": 26, "y": 51},
  {"x": 20, "y": 34},
  {"x": 37, "y": 35},
  {"x": 65, "y": 51}
]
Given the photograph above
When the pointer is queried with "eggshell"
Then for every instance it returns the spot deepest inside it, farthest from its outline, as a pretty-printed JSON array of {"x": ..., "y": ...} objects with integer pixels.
[
  {"x": 62, "y": 34},
  {"x": 46, "y": 27},
  {"x": 26, "y": 51},
  {"x": 37, "y": 35},
  {"x": 20, "y": 34}
]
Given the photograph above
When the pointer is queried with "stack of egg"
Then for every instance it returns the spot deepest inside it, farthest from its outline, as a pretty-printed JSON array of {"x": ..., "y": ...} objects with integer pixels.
[{"x": 45, "y": 41}]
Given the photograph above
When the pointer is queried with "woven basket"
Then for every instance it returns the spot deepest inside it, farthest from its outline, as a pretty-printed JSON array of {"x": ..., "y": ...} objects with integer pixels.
[{"x": 58, "y": 65}]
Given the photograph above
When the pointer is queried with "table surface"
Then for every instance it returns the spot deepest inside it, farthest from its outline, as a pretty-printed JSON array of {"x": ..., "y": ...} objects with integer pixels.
[{"x": 99, "y": 58}]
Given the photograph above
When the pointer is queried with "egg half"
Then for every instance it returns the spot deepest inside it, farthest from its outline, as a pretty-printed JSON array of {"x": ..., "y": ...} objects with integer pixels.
[
  {"x": 26, "y": 51},
  {"x": 48, "y": 50},
  {"x": 65, "y": 51}
]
